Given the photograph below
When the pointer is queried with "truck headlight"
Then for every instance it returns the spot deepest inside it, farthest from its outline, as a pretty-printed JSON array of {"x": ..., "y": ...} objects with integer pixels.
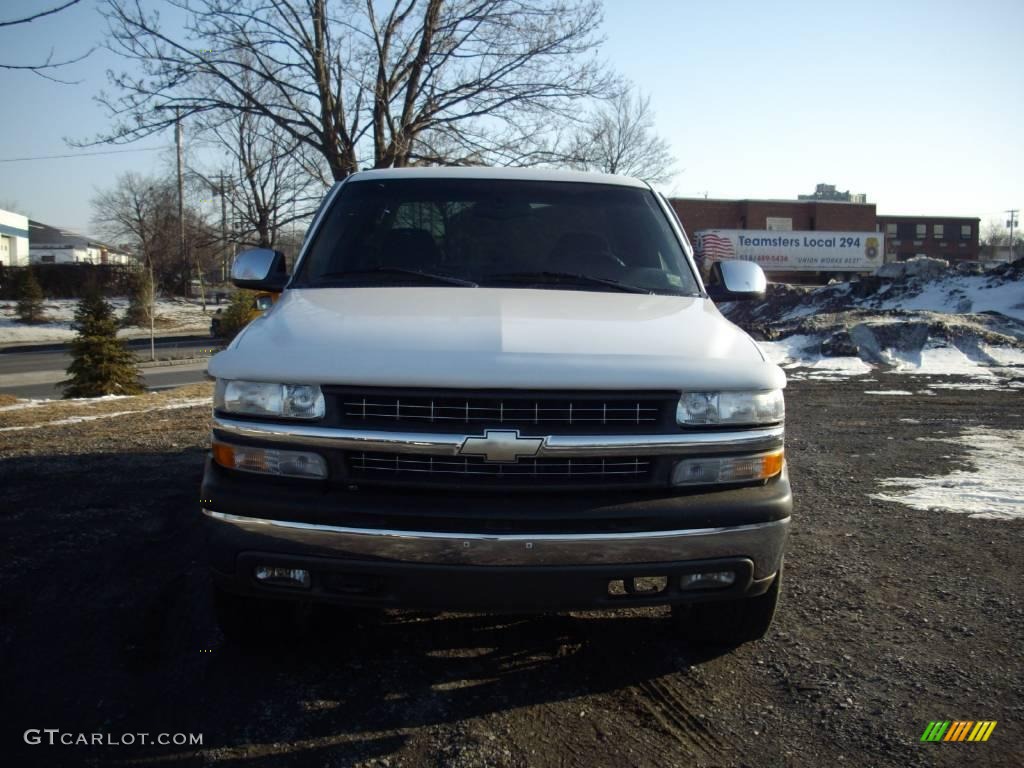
[
  {"x": 260, "y": 398},
  {"x": 737, "y": 408}
]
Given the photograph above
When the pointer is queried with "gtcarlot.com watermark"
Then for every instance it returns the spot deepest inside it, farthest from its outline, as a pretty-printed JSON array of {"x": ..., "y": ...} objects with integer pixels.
[{"x": 56, "y": 737}]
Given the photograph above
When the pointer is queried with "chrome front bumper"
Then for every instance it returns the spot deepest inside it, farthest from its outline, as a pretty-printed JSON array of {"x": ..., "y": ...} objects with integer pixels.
[{"x": 763, "y": 543}]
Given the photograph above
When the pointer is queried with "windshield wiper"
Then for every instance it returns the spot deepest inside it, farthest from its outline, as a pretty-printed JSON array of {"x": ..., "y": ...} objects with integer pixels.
[
  {"x": 446, "y": 279},
  {"x": 568, "y": 277}
]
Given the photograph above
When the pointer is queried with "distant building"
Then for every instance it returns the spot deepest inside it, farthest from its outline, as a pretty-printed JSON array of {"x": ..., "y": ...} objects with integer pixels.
[
  {"x": 829, "y": 193},
  {"x": 699, "y": 213},
  {"x": 52, "y": 245},
  {"x": 945, "y": 237},
  {"x": 14, "y": 246},
  {"x": 941, "y": 237}
]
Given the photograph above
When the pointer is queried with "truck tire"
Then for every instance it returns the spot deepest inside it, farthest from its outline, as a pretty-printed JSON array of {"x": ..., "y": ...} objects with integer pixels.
[
  {"x": 730, "y": 622},
  {"x": 250, "y": 620}
]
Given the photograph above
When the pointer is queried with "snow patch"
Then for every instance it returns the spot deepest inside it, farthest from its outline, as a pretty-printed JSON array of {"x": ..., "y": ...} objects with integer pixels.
[
  {"x": 993, "y": 387},
  {"x": 939, "y": 360},
  {"x": 79, "y": 419},
  {"x": 23, "y": 404},
  {"x": 991, "y": 489},
  {"x": 1004, "y": 355},
  {"x": 960, "y": 294},
  {"x": 173, "y": 316},
  {"x": 35, "y": 403},
  {"x": 801, "y": 351},
  {"x": 887, "y": 392}
]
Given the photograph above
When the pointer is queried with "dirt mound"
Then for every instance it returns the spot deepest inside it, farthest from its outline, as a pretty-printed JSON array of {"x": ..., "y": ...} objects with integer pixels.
[
  {"x": 998, "y": 291},
  {"x": 919, "y": 311},
  {"x": 923, "y": 267}
]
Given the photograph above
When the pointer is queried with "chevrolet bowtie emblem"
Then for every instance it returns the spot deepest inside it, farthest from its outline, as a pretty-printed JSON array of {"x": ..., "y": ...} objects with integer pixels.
[{"x": 501, "y": 445}]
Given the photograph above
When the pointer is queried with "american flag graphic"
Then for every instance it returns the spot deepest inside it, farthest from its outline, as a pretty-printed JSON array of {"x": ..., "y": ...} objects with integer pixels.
[{"x": 714, "y": 246}]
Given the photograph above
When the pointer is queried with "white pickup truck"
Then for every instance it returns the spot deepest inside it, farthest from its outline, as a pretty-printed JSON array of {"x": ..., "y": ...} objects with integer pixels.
[{"x": 497, "y": 390}]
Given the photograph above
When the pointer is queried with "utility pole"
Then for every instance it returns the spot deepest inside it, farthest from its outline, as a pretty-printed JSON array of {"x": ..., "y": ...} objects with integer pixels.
[
  {"x": 152, "y": 310},
  {"x": 223, "y": 229},
  {"x": 178, "y": 140},
  {"x": 1011, "y": 223}
]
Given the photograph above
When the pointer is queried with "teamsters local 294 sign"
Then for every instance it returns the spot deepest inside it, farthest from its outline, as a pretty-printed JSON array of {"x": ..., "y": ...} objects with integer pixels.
[{"x": 794, "y": 251}]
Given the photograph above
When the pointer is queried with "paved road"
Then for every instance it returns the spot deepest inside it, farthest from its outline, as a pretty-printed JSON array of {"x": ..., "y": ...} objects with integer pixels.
[
  {"x": 154, "y": 378},
  {"x": 34, "y": 372}
]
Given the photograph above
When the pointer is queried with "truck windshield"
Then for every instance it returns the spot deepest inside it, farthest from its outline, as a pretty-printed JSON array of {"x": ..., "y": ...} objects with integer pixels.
[{"x": 491, "y": 233}]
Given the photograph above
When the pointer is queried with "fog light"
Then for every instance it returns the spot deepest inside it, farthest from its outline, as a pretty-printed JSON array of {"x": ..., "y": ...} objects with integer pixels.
[
  {"x": 727, "y": 469},
  {"x": 710, "y": 580},
  {"x": 270, "y": 461},
  {"x": 283, "y": 577}
]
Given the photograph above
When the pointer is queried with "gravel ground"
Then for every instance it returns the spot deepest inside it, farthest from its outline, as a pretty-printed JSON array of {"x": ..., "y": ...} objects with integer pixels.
[{"x": 891, "y": 617}]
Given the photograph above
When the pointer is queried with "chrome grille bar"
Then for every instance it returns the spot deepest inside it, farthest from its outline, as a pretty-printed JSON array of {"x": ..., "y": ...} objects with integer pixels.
[
  {"x": 554, "y": 446},
  {"x": 501, "y": 411}
]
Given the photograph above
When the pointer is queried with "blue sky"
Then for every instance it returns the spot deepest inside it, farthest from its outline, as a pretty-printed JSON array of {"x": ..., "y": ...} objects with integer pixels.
[{"x": 917, "y": 103}]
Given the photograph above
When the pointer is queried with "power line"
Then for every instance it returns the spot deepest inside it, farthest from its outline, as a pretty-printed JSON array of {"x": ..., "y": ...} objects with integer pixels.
[{"x": 78, "y": 154}]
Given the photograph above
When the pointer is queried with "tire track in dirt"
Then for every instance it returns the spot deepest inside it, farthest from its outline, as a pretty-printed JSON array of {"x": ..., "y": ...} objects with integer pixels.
[{"x": 673, "y": 707}]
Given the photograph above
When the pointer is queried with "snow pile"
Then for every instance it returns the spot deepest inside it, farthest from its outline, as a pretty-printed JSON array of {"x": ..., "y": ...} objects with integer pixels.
[
  {"x": 172, "y": 316},
  {"x": 929, "y": 319},
  {"x": 992, "y": 488},
  {"x": 923, "y": 267}
]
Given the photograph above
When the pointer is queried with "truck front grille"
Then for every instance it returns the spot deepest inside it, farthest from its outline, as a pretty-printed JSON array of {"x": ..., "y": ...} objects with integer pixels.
[
  {"x": 448, "y": 412},
  {"x": 526, "y": 471}
]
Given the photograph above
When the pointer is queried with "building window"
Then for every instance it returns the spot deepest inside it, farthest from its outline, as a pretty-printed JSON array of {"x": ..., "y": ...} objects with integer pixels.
[
  {"x": 938, "y": 230},
  {"x": 890, "y": 229},
  {"x": 965, "y": 231},
  {"x": 921, "y": 231},
  {"x": 47, "y": 258}
]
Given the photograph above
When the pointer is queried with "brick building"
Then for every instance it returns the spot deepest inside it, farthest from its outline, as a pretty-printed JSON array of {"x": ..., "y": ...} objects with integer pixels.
[
  {"x": 700, "y": 213},
  {"x": 942, "y": 237}
]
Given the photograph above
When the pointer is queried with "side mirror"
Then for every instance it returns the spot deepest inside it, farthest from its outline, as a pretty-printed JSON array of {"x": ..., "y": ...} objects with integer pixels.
[
  {"x": 736, "y": 280},
  {"x": 260, "y": 269}
]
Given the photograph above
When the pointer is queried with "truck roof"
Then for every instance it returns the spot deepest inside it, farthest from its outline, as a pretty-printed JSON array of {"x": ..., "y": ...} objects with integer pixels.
[{"x": 512, "y": 174}]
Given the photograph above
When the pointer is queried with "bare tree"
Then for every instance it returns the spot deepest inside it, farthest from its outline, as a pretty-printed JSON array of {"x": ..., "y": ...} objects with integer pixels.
[
  {"x": 142, "y": 213},
  {"x": 275, "y": 180},
  {"x": 136, "y": 212},
  {"x": 48, "y": 63},
  {"x": 994, "y": 234},
  {"x": 619, "y": 138},
  {"x": 275, "y": 186},
  {"x": 364, "y": 82}
]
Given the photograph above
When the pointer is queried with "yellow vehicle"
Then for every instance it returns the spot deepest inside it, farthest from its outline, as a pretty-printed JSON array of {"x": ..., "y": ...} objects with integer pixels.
[{"x": 261, "y": 302}]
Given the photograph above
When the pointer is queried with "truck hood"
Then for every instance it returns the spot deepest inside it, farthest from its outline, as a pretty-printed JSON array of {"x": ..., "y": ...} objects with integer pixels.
[{"x": 488, "y": 338}]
